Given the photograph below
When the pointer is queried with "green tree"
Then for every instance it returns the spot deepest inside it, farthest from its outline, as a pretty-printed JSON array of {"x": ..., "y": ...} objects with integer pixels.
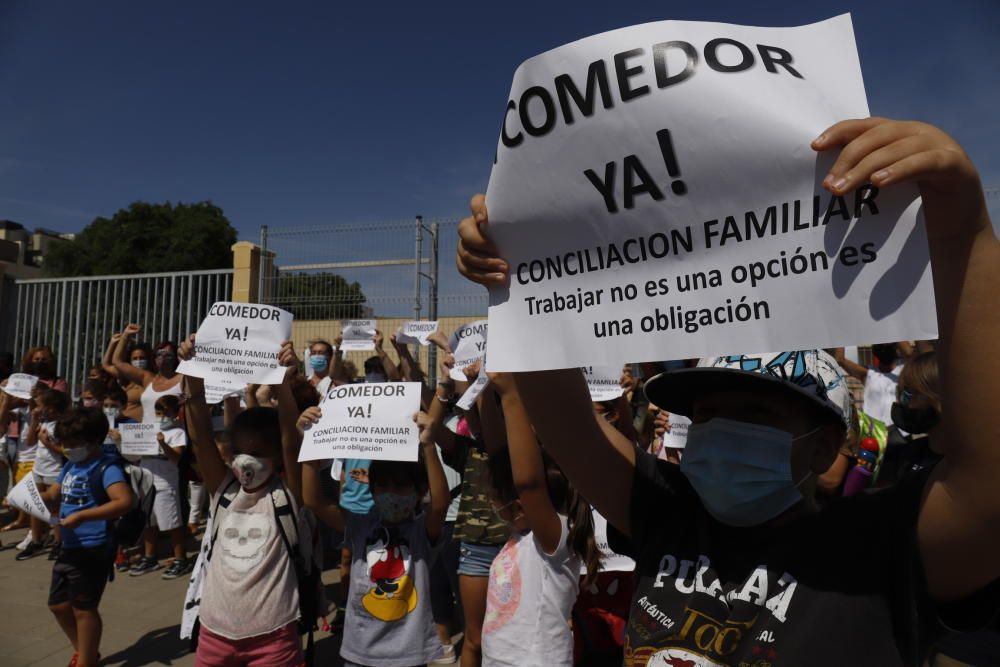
[
  {"x": 148, "y": 238},
  {"x": 319, "y": 296}
]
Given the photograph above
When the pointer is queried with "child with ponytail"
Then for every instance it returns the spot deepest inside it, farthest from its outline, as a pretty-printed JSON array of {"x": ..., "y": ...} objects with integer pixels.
[{"x": 535, "y": 579}]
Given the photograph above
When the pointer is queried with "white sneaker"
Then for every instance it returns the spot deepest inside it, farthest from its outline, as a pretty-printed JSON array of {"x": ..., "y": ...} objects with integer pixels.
[
  {"x": 448, "y": 658},
  {"x": 25, "y": 542}
]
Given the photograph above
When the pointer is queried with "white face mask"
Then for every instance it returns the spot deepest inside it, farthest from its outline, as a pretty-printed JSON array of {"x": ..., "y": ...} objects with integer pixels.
[
  {"x": 112, "y": 413},
  {"x": 140, "y": 363},
  {"x": 76, "y": 454},
  {"x": 251, "y": 471},
  {"x": 741, "y": 471},
  {"x": 166, "y": 423}
]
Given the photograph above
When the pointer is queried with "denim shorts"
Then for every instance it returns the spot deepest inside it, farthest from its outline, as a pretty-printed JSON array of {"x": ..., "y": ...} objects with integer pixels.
[{"x": 474, "y": 560}]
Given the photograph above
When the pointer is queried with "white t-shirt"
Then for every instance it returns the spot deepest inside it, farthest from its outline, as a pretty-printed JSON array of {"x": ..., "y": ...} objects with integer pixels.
[
  {"x": 47, "y": 462},
  {"x": 323, "y": 386},
  {"x": 165, "y": 473},
  {"x": 880, "y": 393},
  {"x": 528, "y": 604}
]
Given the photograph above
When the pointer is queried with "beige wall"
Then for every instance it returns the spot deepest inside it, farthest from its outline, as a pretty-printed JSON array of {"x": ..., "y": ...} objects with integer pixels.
[{"x": 305, "y": 331}]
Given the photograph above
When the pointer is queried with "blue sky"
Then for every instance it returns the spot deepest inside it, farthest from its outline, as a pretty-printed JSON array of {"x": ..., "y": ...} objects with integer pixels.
[{"x": 296, "y": 113}]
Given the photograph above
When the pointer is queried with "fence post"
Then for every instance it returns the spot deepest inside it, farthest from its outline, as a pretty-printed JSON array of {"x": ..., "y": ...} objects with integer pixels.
[
  {"x": 261, "y": 272},
  {"x": 433, "y": 302},
  {"x": 416, "y": 271}
]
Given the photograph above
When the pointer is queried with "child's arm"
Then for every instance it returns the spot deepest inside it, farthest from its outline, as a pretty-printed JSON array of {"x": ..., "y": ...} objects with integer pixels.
[
  {"x": 231, "y": 408},
  {"x": 528, "y": 468},
  {"x": 391, "y": 372},
  {"x": 173, "y": 454},
  {"x": 250, "y": 395},
  {"x": 123, "y": 366},
  {"x": 48, "y": 442},
  {"x": 52, "y": 496},
  {"x": 411, "y": 368},
  {"x": 436, "y": 484},
  {"x": 199, "y": 423},
  {"x": 288, "y": 415},
  {"x": 337, "y": 371},
  {"x": 119, "y": 502},
  {"x": 493, "y": 429},
  {"x": 327, "y": 511},
  {"x": 853, "y": 369}
]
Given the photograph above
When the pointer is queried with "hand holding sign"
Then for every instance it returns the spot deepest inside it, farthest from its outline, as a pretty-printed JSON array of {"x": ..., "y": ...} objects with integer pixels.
[
  {"x": 238, "y": 343},
  {"x": 372, "y": 420},
  {"x": 468, "y": 345},
  {"x": 139, "y": 439},
  {"x": 416, "y": 331}
]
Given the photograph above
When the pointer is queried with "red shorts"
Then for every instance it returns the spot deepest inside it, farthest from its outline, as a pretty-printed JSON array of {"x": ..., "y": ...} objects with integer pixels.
[{"x": 281, "y": 648}]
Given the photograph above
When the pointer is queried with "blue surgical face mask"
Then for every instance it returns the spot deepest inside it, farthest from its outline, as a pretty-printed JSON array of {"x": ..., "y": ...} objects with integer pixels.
[
  {"x": 741, "y": 471},
  {"x": 318, "y": 362}
]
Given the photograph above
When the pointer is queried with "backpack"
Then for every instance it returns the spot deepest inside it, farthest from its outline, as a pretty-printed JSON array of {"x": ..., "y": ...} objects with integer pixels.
[
  {"x": 126, "y": 530},
  {"x": 300, "y": 535}
]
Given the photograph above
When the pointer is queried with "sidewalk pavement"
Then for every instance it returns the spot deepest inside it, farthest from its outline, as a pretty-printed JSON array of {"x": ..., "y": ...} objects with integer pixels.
[{"x": 141, "y": 615}]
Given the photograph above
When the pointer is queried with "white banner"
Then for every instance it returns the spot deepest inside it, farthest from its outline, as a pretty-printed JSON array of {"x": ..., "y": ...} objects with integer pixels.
[
  {"x": 216, "y": 391},
  {"x": 474, "y": 390},
  {"x": 139, "y": 439},
  {"x": 238, "y": 343},
  {"x": 26, "y": 497},
  {"x": 357, "y": 335},
  {"x": 373, "y": 420},
  {"x": 676, "y": 435},
  {"x": 416, "y": 331},
  {"x": 468, "y": 345},
  {"x": 19, "y": 385},
  {"x": 656, "y": 196},
  {"x": 610, "y": 560},
  {"x": 604, "y": 382}
]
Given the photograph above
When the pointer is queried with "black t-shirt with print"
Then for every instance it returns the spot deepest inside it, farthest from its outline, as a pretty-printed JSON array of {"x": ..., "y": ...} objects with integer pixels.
[{"x": 838, "y": 587}]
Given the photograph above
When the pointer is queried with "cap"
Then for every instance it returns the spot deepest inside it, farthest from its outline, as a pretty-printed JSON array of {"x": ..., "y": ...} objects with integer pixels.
[{"x": 813, "y": 374}]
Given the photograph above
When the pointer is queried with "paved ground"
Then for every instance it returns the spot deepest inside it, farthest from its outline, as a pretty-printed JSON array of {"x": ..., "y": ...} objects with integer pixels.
[{"x": 141, "y": 617}]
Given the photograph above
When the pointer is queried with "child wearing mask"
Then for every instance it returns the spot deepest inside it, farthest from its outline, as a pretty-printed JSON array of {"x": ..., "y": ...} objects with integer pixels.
[
  {"x": 388, "y": 617},
  {"x": 535, "y": 579},
  {"x": 250, "y": 603},
  {"x": 50, "y": 405},
  {"x": 166, "y": 502},
  {"x": 91, "y": 491}
]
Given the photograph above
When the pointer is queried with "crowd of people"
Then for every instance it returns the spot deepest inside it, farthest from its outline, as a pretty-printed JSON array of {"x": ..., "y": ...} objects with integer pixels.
[{"x": 735, "y": 510}]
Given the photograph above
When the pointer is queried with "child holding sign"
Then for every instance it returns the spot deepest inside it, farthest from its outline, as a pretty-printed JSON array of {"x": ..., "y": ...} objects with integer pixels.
[
  {"x": 91, "y": 491},
  {"x": 768, "y": 565},
  {"x": 389, "y": 618}
]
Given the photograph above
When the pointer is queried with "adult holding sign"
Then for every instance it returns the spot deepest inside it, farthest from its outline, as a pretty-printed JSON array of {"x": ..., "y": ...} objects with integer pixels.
[
  {"x": 371, "y": 420},
  {"x": 158, "y": 377},
  {"x": 930, "y": 540},
  {"x": 238, "y": 343}
]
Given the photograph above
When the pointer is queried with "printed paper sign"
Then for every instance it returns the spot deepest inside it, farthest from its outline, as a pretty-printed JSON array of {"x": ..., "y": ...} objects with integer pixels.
[
  {"x": 604, "y": 382},
  {"x": 139, "y": 439},
  {"x": 26, "y": 497},
  {"x": 416, "y": 331},
  {"x": 19, "y": 385},
  {"x": 655, "y": 195},
  {"x": 468, "y": 345},
  {"x": 216, "y": 391},
  {"x": 357, "y": 335},
  {"x": 676, "y": 435},
  {"x": 474, "y": 390},
  {"x": 238, "y": 343},
  {"x": 610, "y": 561},
  {"x": 373, "y": 420}
]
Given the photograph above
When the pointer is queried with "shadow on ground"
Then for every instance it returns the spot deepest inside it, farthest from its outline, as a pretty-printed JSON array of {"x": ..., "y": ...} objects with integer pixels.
[{"x": 156, "y": 647}]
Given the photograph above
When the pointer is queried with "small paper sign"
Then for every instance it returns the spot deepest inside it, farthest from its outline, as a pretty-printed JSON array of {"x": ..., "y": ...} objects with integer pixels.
[
  {"x": 468, "y": 345},
  {"x": 370, "y": 421},
  {"x": 357, "y": 335},
  {"x": 474, "y": 390},
  {"x": 416, "y": 331},
  {"x": 26, "y": 497},
  {"x": 238, "y": 343},
  {"x": 604, "y": 382},
  {"x": 19, "y": 385},
  {"x": 139, "y": 439}
]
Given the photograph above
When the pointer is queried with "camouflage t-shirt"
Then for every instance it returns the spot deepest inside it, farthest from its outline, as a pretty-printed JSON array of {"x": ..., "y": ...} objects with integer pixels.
[{"x": 476, "y": 522}]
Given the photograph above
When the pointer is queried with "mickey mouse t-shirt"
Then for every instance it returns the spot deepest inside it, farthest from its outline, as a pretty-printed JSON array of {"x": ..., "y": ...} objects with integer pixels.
[{"x": 839, "y": 587}]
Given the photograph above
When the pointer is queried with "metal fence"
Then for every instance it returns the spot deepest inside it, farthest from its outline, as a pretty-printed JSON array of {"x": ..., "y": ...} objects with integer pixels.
[
  {"x": 383, "y": 270},
  {"x": 77, "y": 316}
]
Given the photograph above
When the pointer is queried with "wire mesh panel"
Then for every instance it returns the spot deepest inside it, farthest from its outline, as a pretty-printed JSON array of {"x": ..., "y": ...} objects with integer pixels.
[{"x": 76, "y": 317}]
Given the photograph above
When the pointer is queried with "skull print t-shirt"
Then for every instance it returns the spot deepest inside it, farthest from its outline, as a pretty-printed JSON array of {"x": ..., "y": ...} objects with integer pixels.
[{"x": 250, "y": 587}]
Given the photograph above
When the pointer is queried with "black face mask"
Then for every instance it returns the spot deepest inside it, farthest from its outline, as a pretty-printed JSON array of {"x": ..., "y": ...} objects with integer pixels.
[
  {"x": 914, "y": 421},
  {"x": 39, "y": 368}
]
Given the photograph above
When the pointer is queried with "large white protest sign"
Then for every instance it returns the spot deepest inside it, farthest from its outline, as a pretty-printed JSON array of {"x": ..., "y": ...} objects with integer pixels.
[
  {"x": 26, "y": 497},
  {"x": 238, "y": 343},
  {"x": 139, "y": 439},
  {"x": 604, "y": 382},
  {"x": 474, "y": 390},
  {"x": 20, "y": 385},
  {"x": 655, "y": 195},
  {"x": 373, "y": 420},
  {"x": 357, "y": 335},
  {"x": 416, "y": 331},
  {"x": 468, "y": 345}
]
